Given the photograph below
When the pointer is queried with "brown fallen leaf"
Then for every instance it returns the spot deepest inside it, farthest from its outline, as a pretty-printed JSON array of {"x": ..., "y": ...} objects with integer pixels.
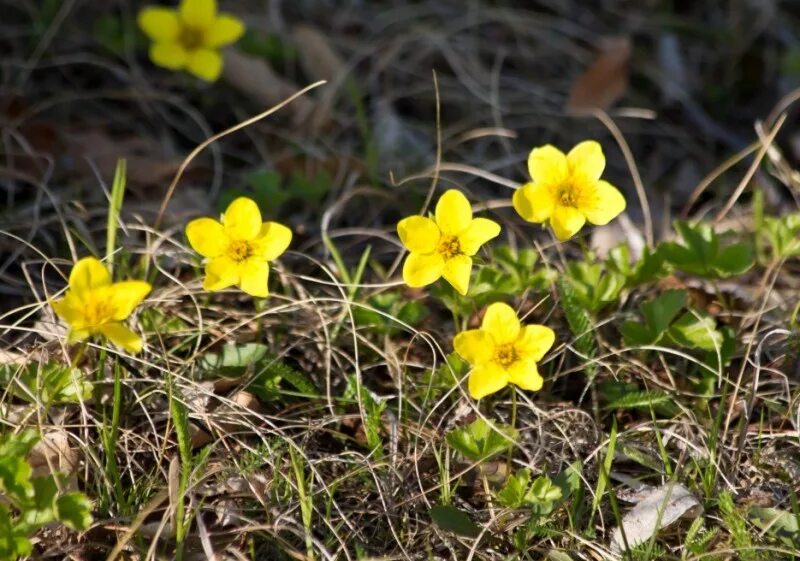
[
  {"x": 605, "y": 81},
  {"x": 55, "y": 454},
  {"x": 256, "y": 79}
]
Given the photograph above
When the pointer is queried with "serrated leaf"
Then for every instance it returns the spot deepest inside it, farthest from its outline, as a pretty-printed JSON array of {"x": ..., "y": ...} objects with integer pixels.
[
  {"x": 479, "y": 441},
  {"x": 513, "y": 492},
  {"x": 696, "y": 331},
  {"x": 569, "y": 480},
  {"x": 660, "y": 312},
  {"x": 454, "y": 520}
]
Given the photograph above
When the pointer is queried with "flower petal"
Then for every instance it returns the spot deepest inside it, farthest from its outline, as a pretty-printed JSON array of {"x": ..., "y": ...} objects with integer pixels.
[
  {"x": 221, "y": 272},
  {"x": 453, "y": 212},
  {"x": 168, "y": 55},
  {"x": 602, "y": 203},
  {"x": 69, "y": 308},
  {"x": 456, "y": 271},
  {"x": 525, "y": 374},
  {"x": 159, "y": 24},
  {"x": 566, "y": 222},
  {"x": 125, "y": 296},
  {"x": 121, "y": 336},
  {"x": 486, "y": 379},
  {"x": 419, "y": 234},
  {"x": 586, "y": 162},
  {"x": 88, "y": 274},
  {"x": 206, "y": 64},
  {"x": 548, "y": 166},
  {"x": 254, "y": 276},
  {"x": 225, "y": 30},
  {"x": 534, "y": 202},
  {"x": 475, "y": 346},
  {"x": 534, "y": 341},
  {"x": 422, "y": 270},
  {"x": 242, "y": 219},
  {"x": 501, "y": 322},
  {"x": 480, "y": 231},
  {"x": 207, "y": 237},
  {"x": 198, "y": 13},
  {"x": 272, "y": 240}
]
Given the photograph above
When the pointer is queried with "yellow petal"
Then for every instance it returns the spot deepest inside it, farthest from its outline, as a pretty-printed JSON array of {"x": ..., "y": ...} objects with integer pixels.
[
  {"x": 221, "y": 272},
  {"x": 159, "y": 24},
  {"x": 254, "y": 276},
  {"x": 125, "y": 296},
  {"x": 225, "y": 30},
  {"x": 548, "y": 166},
  {"x": 566, "y": 222},
  {"x": 168, "y": 55},
  {"x": 75, "y": 335},
  {"x": 205, "y": 64},
  {"x": 88, "y": 274},
  {"x": 418, "y": 234},
  {"x": 486, "y": 379},
  {"x": 534, "y": 341},
  {"x": 422, "y": 270},
  {"x": 453, "y": 212},
  {"x": 198, "y": 13},
  {"x": 480, "y": 231},
  {"x": 534, "y": 202},
  {"x": 121, "y": 336},
  {"x": 272, "y": 240},
  {"x": 456, "y": 271},
  {"x": 501, "y": 322},
  {"x": 586, "y": 162},
  {"x": 523, "y": 373},
  {"x": 601, "y": 203},
  {"x": 207, "y": 237},
  {"x": 69, "y": 309},
  {"x": 475, "y": 346},
  {"x": 242, "y": 219}
]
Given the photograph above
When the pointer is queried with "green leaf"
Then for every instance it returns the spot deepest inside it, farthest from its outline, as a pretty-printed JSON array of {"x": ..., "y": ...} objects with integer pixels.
[
  {"x": 569, "y": 480},
  {"x": 480, "y": 441},
  {"x": 454, "y": 520},
  {"x": 658, "y": 314},
  {"x": 51, "y": 382},
  {"x": 778, "y": 523},
  {"x": 512, "y": 495},
  {"x": 734, "y": 260},
  {"x": 75, "y": 510},
  {"x": 696, "y": 330}
]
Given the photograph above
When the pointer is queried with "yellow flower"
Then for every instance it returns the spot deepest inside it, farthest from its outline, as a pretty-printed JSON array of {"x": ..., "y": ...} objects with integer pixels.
[
  {"x": 93, "y": 305},
  {"x": 190, "y": 37},
  {"x": 239, "y": 249},
  {"x": 502, "y": 351},
  {"x": 566, "y": 190},
  {"x": 444, "y": 247}
]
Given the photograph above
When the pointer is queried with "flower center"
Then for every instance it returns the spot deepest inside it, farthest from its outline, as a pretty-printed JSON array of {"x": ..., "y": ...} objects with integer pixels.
[
  {"x": 240, "y": 250},
  {"x": 568, "y": 196},
  {"x": 191, "y": 38},
  {"x": 449, "y": 247},
  {"x": 98, "y": 312},
  {"x": 506, "y": 355}
]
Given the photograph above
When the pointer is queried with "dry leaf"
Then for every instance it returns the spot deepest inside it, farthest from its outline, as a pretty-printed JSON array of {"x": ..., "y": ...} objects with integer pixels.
[
  {"x": 660, "y": 508},
  {"x": 317, "y": 57},
  {"x": 54, "y": 454},
  {"x": 256, "y": 79},
  {"x": 605, "y": 80}
]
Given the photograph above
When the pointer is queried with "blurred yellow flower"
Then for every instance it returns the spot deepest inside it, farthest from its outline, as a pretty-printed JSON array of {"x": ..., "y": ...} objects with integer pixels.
[
  {"x": 190, "y": 36},
  {"x": 238, "y": 249},
  {"x": 502, "y": 351},
  {"x": 93, "y": 305},
  {"x": 566, "y": 190},
  {"x": 444, "y": 247}
]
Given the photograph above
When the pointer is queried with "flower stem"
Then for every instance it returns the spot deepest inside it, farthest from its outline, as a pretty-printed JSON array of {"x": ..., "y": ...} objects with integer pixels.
[{"x": 513, "y": 426}]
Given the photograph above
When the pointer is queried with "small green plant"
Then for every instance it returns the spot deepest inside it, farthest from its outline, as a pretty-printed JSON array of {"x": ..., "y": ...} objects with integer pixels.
[
  {"x": 480, "y": 441},
  {"x": 49, "y": 383},
  {"x": 595, "y": 285},
  {"x": 541, "y": 496},
  {"x": 702, "y": 254},
  {"x": 782, "y": 235},
  {"x": 30, "y": 503}
]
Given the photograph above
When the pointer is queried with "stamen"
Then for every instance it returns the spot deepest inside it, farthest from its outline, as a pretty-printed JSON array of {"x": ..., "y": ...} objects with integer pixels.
[
  {"x": 506, "y": 355},
  {"x": 449, "y": 247},
  {"x": 239, "y": 250}
]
